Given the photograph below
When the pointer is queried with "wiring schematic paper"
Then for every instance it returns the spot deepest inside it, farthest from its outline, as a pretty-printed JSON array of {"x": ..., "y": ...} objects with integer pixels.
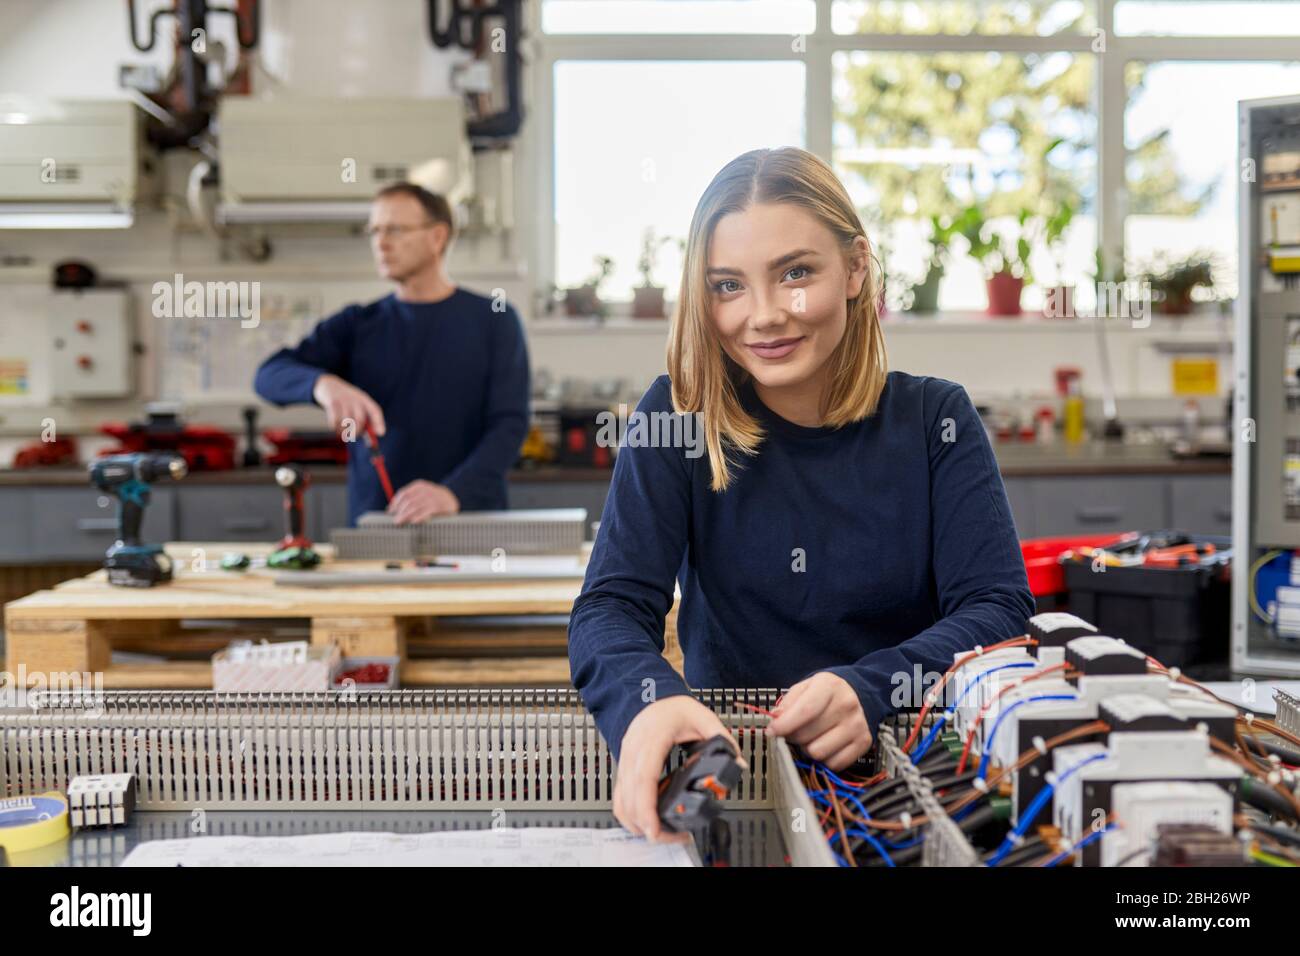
[{"x": 503, "y": 846}]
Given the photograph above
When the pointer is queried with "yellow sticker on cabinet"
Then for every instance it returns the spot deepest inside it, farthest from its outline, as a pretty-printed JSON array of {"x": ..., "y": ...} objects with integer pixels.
[
  {"x": 13, "y": 376},
  {"x": 1196, "y": 376}
]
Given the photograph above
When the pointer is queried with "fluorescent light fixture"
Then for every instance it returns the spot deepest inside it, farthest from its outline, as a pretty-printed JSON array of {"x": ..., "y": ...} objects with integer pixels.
[
  {"x": 268, "y": 212},
  {"x": 64, "y": 216}
]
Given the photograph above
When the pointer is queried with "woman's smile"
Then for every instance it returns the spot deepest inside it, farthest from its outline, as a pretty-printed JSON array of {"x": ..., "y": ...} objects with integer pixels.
[{"x": 774, "y": 349}]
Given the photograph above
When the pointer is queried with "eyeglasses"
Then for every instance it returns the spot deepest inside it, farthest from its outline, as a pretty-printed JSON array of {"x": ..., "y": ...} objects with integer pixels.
[{"x": 394, "y": 232}]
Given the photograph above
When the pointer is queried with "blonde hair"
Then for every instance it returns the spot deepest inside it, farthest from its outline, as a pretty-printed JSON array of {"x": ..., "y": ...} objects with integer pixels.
[{"x": 704, "y": 378}]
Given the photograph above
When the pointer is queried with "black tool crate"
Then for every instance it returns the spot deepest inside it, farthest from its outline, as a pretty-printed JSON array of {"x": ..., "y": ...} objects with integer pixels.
[{"x": 1179, "y": 616}]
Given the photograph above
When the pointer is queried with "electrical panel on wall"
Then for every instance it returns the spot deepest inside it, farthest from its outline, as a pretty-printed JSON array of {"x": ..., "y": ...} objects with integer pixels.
[
  {"x": 1266, "y": 456},
  {"x": 90, "y": 343}
]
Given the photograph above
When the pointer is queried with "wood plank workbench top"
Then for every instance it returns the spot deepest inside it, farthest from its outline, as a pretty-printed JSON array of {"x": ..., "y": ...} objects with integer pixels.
[{"x": 254, "y": 594}]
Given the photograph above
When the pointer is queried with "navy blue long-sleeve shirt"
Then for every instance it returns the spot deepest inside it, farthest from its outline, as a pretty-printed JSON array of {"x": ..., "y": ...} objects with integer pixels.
[
  {"x": 451, "y": 377},
  {"x": 862, "y": 551}
]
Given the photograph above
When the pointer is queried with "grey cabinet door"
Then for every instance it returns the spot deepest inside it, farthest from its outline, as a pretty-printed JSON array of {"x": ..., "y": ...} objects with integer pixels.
[
  {"x": 15, "y": 523},
  {"x": 1020, "y": 494},
  {"x": 1097, "y": 505},
  {"x": 561, "y": 494},
  {"x": 71, "y": 524},
  {"x": 232, "y": 513},
  {"x": 328, "y": 507},
  {"x": 1202, "y": 504}
]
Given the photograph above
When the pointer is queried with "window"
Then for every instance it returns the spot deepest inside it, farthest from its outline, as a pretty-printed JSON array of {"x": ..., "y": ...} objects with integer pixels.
[
  {"x": 929, "y": 135},
  {"x": 1180, "y": 130},
  {"x": 680, "y": 16},
  {"x": 641, "y": 177},
  {"x": 1207, "y": 18},
  {"x": 956, "y": 17},
  {"x": 868, "y": 87}
]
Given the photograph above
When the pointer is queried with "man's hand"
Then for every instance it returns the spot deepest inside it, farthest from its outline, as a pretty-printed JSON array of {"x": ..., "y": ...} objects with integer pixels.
[
  {"x": 646, "y": 743},
  {"x": 823, "y": 715},
  {"x": 343, "y": 401},
  {"x": 422, "y": 499}
]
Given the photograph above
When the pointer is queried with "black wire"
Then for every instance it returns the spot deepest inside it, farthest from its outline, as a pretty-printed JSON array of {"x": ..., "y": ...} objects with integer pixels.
[
  {"x": 1031, "y": 849},
  {"x": 1281, "y": 751},
  {"x": 879, "y": 789},
  {"x": 1259, "y": 795},
  {"x": 977, "y": 818},
  {"x": 901, "y": 857},
  {"x": 1281, "y": 834},
  {"x": 886, "y": 807},
  {"x": 1140, "y": 851},
  {"x": 936, "y": 760},
  {"x": 953, "y": 779}
]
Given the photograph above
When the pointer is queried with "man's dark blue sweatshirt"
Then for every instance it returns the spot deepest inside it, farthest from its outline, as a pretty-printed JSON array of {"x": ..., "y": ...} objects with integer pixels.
[
  {"x": 864, "y": 551},
  {"x": 451, "y": 377}
]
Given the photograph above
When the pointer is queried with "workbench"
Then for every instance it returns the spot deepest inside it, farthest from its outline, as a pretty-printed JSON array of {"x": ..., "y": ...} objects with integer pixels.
[{"x": 456, "y": 630}]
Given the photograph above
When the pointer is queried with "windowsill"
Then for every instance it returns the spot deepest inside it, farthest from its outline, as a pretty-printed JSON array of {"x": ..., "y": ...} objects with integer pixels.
[{"x": 1202, "y": 320}]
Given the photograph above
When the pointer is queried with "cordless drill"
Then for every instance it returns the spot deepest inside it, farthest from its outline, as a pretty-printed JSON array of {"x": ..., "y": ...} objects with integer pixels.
[
  {"x": 295, "y": 551},
  {"x": 130, "y": 563}
]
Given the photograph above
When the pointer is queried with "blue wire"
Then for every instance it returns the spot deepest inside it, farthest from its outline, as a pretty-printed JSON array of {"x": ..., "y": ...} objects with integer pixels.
[
  {"x": 819, "y": 796},
  {"x": 846, "y": 794},
  {"x": 988, "y": 743},
  {"x": 1092, "y": 838},
  {"x": 822, "y": 768},
  {"x": 903, "y": 846},
  {"x": 858, "y": 831},
  {"x": 1027, "y": 818},
  {"x": 943, "y": 719}
]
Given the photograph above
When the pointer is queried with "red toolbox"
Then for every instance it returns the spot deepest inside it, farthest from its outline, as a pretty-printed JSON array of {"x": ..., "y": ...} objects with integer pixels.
[{"x": 1042, "y": 564}]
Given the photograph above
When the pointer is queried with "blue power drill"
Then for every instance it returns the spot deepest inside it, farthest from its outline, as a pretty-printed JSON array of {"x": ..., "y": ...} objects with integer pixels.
[{"x": 130, "y": 563}]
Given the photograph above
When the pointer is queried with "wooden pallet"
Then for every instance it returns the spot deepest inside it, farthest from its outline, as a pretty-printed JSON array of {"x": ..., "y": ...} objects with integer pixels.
[{"x": 74, "y": 627}]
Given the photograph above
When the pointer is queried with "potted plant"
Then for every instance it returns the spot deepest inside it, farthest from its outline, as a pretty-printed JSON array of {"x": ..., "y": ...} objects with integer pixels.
[
  {"x": 925, "y": 294},
  {"x": 1058, "y": 300},
  {"x": 1109, "y": 282},
  {"x": 1006, "y": 263},
  {"x": 648, "y": 298},
  {"x": 1172, "y": 282},
  {"x": 585, "y": 299}
]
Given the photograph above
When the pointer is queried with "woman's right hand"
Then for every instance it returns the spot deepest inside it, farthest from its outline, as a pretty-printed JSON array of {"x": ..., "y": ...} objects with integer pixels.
[{"x": 646, "y": 744}]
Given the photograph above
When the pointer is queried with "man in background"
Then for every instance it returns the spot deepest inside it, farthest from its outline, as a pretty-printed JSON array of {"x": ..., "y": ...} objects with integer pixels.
[{"x": 439, "y": 373}]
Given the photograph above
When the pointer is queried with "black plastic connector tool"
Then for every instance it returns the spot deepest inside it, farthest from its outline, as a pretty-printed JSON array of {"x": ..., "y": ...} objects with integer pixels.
[{"x": 691, "y": 796}]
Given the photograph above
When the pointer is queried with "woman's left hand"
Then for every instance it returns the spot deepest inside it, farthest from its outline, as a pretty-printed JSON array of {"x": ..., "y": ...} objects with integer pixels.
[{"x": 823, "y": 715}]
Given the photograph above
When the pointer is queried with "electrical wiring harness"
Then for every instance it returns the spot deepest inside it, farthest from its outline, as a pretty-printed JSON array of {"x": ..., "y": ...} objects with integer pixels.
[{"x": 1185, "y": 778}]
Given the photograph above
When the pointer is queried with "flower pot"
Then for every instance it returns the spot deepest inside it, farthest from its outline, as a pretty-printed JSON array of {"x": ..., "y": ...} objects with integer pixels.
[
  {"x": 648, "y": 302},
  {"x": 925, "y": 296},
  {"x": 1176, "y": 303},
  {"x": 581, "y": 300},
  {"x": 1004, "y": 293},
  {"x": 1058, "y": 302}
]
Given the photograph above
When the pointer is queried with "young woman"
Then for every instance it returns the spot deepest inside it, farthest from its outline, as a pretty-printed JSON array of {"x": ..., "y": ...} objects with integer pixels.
[{"x": 847, "y": 528}]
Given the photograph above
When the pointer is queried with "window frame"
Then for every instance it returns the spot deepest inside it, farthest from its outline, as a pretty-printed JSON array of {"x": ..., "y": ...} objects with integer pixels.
[{"x": 819, "y": 48}]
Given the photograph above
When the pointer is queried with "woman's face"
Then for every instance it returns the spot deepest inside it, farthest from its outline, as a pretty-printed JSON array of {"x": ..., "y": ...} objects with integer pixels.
[{"x": 779, "y": 287}]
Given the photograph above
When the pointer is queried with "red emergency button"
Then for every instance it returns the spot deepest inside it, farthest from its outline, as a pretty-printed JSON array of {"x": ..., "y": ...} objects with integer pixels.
[
  {"x": 84, "y": 327},
  {"x": 85, "y": 362}
]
